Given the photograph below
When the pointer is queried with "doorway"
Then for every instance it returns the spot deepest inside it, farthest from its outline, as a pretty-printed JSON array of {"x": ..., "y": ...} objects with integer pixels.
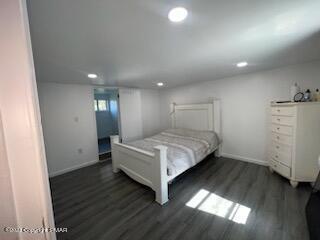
[{"x": 107, "y": 118}]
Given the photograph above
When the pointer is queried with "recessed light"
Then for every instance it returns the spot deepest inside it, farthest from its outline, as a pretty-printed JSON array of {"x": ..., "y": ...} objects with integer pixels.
[
  {"x": 242, "y": 64},
  {"x": 160, "y": 84},
  {"x": 177, "y": 14},
  {"x": 92, "y": 75}
]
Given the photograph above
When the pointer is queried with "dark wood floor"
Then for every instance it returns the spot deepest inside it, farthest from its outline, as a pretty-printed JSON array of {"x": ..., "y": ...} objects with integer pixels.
[{"x": 93, "y": 203}]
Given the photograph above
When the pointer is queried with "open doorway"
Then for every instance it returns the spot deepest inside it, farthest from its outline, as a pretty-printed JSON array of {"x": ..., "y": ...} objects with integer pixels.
[{"x": 107, "y": 117}]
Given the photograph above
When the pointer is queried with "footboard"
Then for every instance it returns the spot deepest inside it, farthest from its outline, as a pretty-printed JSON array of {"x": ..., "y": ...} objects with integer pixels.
[{"x": 144, "y": 167}]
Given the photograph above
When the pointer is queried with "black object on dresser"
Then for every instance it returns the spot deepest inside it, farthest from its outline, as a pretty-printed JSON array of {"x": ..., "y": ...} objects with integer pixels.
[{"x": 313, "y": 211}]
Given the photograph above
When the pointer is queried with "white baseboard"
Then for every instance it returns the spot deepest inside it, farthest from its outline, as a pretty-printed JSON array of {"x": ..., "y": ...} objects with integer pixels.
[
  {"x": 60, "y": 172},
  {"x": 227, "y": 155},
  {"x": 245, "y": 159}
]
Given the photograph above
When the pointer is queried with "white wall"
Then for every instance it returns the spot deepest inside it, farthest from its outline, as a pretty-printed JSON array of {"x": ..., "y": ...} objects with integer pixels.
[
  {"x": 150, "y": 101},
  {"x": 245, "y": 101},
  {"x": 69, "y": 126}
]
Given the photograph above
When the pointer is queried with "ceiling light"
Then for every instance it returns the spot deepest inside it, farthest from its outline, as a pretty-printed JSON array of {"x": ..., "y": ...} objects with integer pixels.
[
  {"x": 160, "y": 84},
  {"x": 177, "y": 14},
  {"x": 242, "y": 64},
  {"x": 92, "y": 75}
]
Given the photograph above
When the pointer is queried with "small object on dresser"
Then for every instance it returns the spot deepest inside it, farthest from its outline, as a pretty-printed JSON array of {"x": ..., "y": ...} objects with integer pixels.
[
  {"x": 298, "y": 97},
  {"x": 317, "y": 96},
  {"x": 294, "y": 90},
  {"x": 307, "y": 96}
]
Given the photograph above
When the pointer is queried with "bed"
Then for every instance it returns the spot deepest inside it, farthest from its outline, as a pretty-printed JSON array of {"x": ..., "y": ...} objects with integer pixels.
[{"x": 155, "y": 161}]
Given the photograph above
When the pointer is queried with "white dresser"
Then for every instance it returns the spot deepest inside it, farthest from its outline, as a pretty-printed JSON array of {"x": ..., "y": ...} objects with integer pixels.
[{"x": 295, "y": 141}]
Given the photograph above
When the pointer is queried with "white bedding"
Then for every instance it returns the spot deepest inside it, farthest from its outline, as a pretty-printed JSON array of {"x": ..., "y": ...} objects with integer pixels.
[{"x": 185, "y": 147}]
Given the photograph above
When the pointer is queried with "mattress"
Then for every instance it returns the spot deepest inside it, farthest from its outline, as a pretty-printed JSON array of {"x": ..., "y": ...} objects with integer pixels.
[{"x": 186, "y": 147}]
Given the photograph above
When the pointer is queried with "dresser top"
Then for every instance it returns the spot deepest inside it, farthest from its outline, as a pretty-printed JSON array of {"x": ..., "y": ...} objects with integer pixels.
[{"x": 293, "y": 103}]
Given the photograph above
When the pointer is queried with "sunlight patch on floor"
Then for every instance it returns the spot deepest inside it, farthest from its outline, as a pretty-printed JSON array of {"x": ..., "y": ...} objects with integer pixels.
[{"x": 216, "y": 205}]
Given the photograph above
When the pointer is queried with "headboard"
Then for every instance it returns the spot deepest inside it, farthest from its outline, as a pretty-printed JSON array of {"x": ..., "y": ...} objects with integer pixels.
[{"x": 205, "y": 116}]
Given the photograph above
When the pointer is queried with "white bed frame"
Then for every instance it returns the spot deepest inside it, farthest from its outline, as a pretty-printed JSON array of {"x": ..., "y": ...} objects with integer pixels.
[{"x": 150, "y": 168}]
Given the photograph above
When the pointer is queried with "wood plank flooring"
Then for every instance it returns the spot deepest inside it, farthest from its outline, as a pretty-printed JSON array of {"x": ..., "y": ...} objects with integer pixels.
[{"x": 94, "y": 203}]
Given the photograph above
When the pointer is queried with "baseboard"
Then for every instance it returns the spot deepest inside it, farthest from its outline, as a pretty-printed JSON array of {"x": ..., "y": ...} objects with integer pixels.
[
  {"x": 245, "y": 159},
  {"x": 60, "y": 172}
]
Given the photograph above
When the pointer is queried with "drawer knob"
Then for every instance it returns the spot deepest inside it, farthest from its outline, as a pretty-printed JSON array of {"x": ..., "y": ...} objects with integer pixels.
[
  {"x": 277, "y": 147},
  {"x": 278, "y": 119},
  {"x": 278, "y": 137},
  {"x": 278, "y": 110},
  {"x": 277, "y": 156},
  {"x": 278, "y": 128}
]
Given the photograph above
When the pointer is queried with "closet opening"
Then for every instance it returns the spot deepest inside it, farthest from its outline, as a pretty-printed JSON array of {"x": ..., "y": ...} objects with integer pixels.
[{"x": 106, "y": 107}]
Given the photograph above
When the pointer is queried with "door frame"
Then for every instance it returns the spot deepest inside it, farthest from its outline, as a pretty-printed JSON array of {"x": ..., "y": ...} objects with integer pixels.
[
  {"x": 95, "y": 118},
  {"x": 29, "y": 184}
]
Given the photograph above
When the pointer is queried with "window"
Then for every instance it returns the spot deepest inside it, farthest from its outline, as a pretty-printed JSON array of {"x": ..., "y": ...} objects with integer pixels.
[{"x": 101, "y": 105}]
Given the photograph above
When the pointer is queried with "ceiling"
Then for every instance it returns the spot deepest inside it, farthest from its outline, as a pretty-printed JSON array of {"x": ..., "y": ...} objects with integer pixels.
[{"x": 132, "y": 43}]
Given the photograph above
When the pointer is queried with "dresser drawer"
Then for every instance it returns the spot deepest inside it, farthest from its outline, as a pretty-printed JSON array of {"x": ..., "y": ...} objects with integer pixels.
[
  {"x": 283, "y": 111},
  {"x": 284, "y": 120},
  {"x": 280, "y": 168},
  {"x": 281, "y": 153},
  {"x": 288, "y": 130},
  {"x": 284, "y": 139}
]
